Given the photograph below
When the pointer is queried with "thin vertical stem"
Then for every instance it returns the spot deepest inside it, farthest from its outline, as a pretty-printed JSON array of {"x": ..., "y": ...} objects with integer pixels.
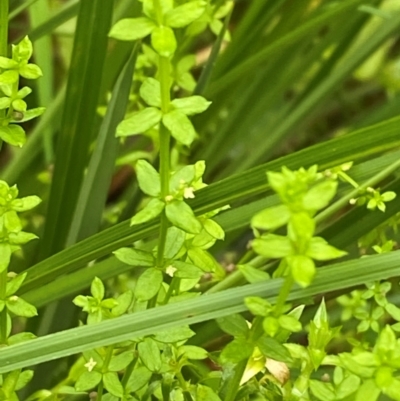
[
  {"x": 3, "y": 41},
  {"x": 4, "y": 53}
]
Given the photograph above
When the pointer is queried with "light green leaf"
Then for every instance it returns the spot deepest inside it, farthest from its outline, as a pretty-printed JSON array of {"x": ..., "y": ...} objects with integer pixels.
[
  {"x": 302, "y": 269},
  {"x": 24, "y": 204},
  {"x": 271, "y": 218},
  {"x": 187, "y": 270},
  {"x": 258, "y": 306},
  {"x": 174, "y": 242},
  {"x": 7, "y": 63},
  {"x": 236, "y": 351},
  {"x": 9, "y": 77},
  {"x": 15, "y": 283},
  {"x": 29, "y": 115},
  {"x": 150, "y": 211},
  {"x": 191, "y": 105},
  {"x": 20, "y": 307},
  {"x": 5, "y": 102},
  {"x": 138, "y": 379},
  {"x": 123, "y": 303},
  {"x": 205, "y": 393},
  {"x": 214, "y": 229},
  {"x": 320, "y": 195},
  {"x": 289, "y": 323},
  {"x": 185, "y": 14},
  {"x": 368, "y": 391},
  {"x": 235, "y": 325},
  {"x": 23, "y": 379},
  {"x": 134, "y": 257},
  {"x": 24, "y": 49},
  {"x": 150, "y": 91},
  {"x": 323, "y": 391},
  {"x": 149, "y": 353},
  {"x": 148, "y": 178},
  {"x": 181, "y": 215},
  {"x": 97, "y": 289},
  {"x": 13, "y": 134},
  {"x": 174, "y": 335},
  {"x": 88, "y": 380},
  {"x": 148, "y": 284},
  {"x": 31, "y": 71},
  {"x": 132, "y": 28},
  {"x": 163, "y": 41},
  {"x": 203, "y": 259},
  {"x": 180, "y": 127},
  {"x": 272, "y": 246},
  {"x": 193, "y": 352},
  {"x": 5, "y": 255},
  {"x": 252, "y": 274},
  {"x": 19, "y": 105},
  {"x": 139, "y": 122},
  {"x": 112, "y": 384},
  {"x": 271, "y": 348},
  {"x": 319, "y": 249},
  {"x": 20, "y": 238}
]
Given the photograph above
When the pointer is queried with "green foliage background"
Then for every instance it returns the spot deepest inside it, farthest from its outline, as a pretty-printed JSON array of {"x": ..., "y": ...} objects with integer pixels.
[{"x": 302, "y": 82}]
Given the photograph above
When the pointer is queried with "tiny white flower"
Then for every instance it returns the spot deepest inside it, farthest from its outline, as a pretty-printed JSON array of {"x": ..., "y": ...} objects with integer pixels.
[
  {"x": 353, "y": 201},
  {"x": 169, "y": 198},
  {"x": 188, "y": 193},
  {"x": 170, "y": 270},
  {"x": 90, "y": 364}
]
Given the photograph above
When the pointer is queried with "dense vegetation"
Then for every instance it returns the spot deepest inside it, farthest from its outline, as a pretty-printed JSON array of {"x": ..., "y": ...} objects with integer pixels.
[{"x": 199, "y": 200}]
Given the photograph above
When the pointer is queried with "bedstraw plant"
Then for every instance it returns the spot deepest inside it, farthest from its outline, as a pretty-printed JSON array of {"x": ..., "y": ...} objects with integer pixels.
[{"x": 277, "y": 281}]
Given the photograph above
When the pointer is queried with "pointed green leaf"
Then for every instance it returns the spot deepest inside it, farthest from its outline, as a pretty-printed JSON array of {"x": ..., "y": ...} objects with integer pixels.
[
  {"x": 148, "y": 284},
  {"x": 180, "y": 127},
  {"x": 132, "y": 28},
  {"x": 150, "y": 91},
  {"x": 112, "y": 384},
  {"x": 134, "y": 257},
  {"x": 139, "y": 122},
  {"x": 148, "y": 178},
  {"x": 191, "y": 105},
  {"x": 185, "y": 14},
  {"x": 88, "y": 380},
  {"x": 150, "y": 211},
  {"x": 163, "y": 40},
  {"x": 181, "y": 215},
  {"x": 149, "y": 353}
]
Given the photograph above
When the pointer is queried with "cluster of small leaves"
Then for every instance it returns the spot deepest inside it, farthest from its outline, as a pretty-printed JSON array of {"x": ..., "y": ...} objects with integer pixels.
[
  {"x": 12, "y": 103},
  {"x": 160, "y": 23},
  {"x": 138, "y": 368},
  {"x": 370, "y": 196},
  {"x": 11, "y": 305},
  {"x": 302, "y": 193},
  {"x": 186, "y": 258}
]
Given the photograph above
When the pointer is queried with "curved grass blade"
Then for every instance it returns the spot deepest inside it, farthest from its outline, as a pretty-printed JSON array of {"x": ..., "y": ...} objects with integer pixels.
[
  {"x": 78, "y": 121},
  {"x": 334, "y": 277},
  {"x": 93, "y": 195},
  {"x": 352, "y": 147}
]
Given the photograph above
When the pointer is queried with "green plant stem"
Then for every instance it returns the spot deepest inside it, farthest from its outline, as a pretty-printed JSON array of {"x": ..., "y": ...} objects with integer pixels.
[
  {"x": 3, "y": 40},
  {"x": 174, "y": 285},
  {"x": 344, "y": 201},
  {"x": 3, "y": 314},
  {"x": 165, "y": 139},
  {"x": 104, "y": 369},
  {"x": 234, "y": 383},
  {"x": 283, "y": 295},
  {"x": 128, "y": 372},
  {"x": 4, "y": 53}
]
